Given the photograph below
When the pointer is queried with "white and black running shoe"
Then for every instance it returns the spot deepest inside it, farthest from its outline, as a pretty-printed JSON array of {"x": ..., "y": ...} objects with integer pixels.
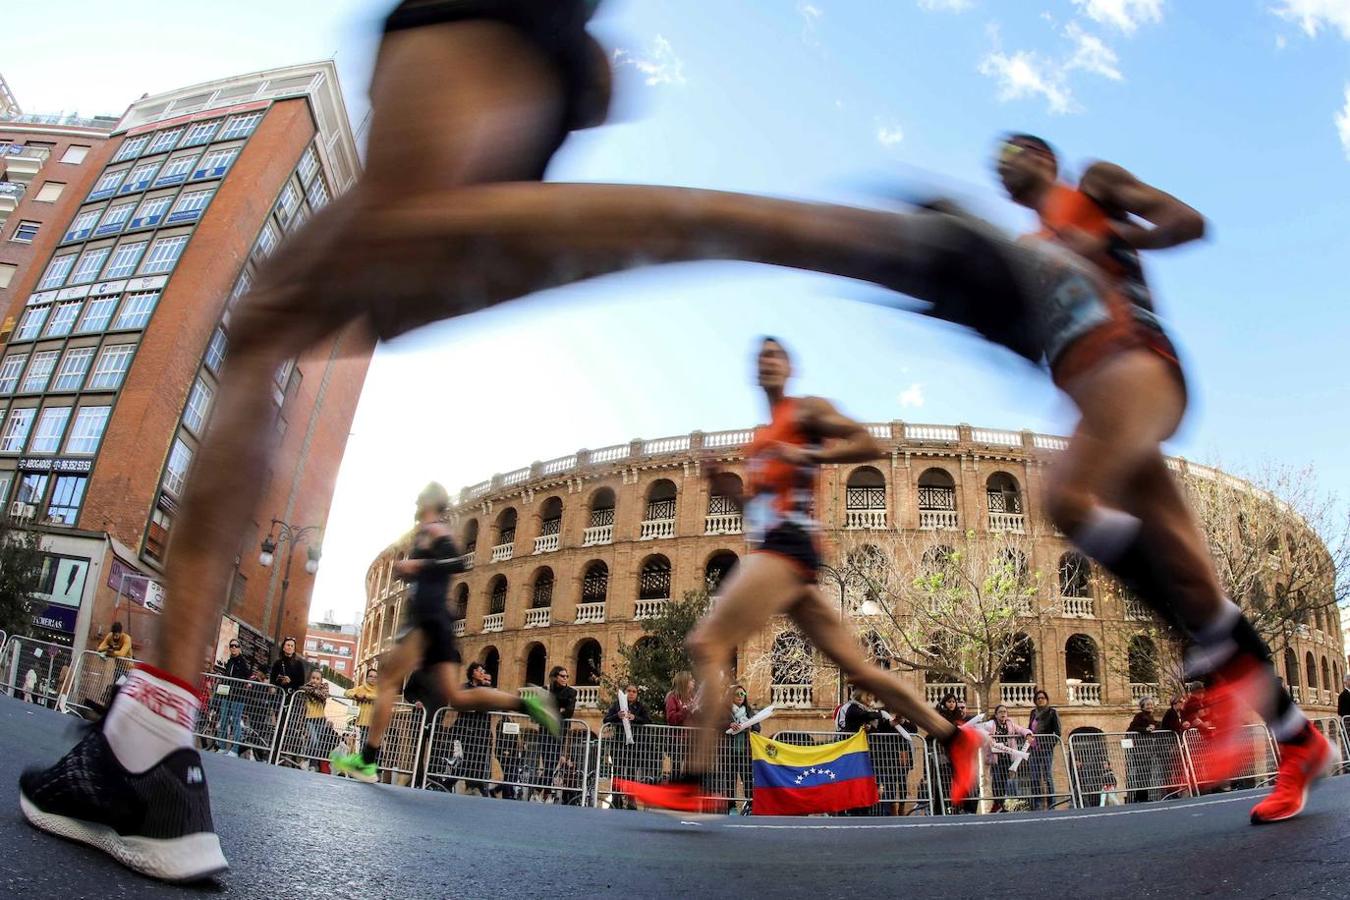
[{"x": 157, "y": 822}]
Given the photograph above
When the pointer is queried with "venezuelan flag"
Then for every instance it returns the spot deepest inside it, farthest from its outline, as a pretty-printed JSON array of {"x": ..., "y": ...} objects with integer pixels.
[{"x": 797, "y": 781}]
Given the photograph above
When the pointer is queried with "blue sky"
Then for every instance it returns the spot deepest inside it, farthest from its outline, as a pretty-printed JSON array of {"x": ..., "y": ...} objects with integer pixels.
[{"x": 1240, "y": 108}]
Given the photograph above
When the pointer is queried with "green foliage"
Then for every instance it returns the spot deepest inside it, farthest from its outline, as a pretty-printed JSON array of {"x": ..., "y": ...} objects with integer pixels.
[
  {"x": 653, "y": 659},
  {"x": 337, "y": 678},
  {"x": 20, "y": 569}
]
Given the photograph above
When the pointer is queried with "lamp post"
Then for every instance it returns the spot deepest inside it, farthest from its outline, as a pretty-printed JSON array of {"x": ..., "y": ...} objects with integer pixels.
[
  {"x": 285, "y": 533},
  {"x": 869, "y": 607}
]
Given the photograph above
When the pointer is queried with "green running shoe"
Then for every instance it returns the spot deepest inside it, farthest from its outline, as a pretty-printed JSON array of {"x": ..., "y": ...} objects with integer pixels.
[
  {"x": 353, "y": 766},
  {"x": 544, "y": 710}
]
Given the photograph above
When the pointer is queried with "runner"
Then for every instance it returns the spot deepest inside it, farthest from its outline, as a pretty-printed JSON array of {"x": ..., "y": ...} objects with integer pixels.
[
  {"x": 779, "y": 577},
  {"x": 428, "y": 640},
  {"x": 1110, "y": 490}
]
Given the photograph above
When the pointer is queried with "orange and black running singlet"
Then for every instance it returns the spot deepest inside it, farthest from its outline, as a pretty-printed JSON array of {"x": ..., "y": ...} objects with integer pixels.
[{"x": 778, "y": 511}]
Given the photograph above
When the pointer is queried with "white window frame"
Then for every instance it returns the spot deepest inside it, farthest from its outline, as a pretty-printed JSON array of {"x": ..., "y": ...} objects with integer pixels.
[
  {"x": 198, "y": 130},
  {"x": 309, "y": 164},
  {"x": 87, "y": 430},
  {"x": 220, "y": 159},
  {"x": 217, "y": 350},
  {"x": 162, "y": 204},
  {"x": 240, "y": 126},
  {"x": 75, "y": 154},
  {"x": 66, "y": 314},
  {"x": 90, "y": 264},
  {"x": 57, "y": 271},
  {"x": 97, "y": 304},
  {"x": 165, "y": 140},
  {"x": 17, "y": 425},
  {"x": 151, "y": 167},
  {"x": 30, "y": 325},
  {"x": 124, "y": 259},
  {"x": 198, "y": 406},
  {"x": 74, "y": 366},
  {"x": 114, "y": 361},
  {"x": 45, "y": 196},
  {"x": 109, "y": 182},
  {"x": 163, "y": 256},
  {"x": 131, "y": 148},
  {"x": 267, "y": 240},
  {"x": 11, "y": 370},
  {"x": 26, "y": 231},
  {"x": 85, "y": 222},
  {"x": 118, "y": 214},
  {"x": 287, "y": 202},
  {"x": 183, "y": 164},
  {"x": 176, "y": 469},
  {"x": 136, "y": 310},
  {"x": 39, "y": 373},
  {"x": 192, "y": 201},
  {"x": 51, "y": 427},
  {"x": 317, "y": 194}
]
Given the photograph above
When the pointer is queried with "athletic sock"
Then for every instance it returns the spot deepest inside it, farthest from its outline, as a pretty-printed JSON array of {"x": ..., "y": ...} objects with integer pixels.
[
  {"x": 1115, "y": 540},
  {"x": 369, "y": 753},
  {"x": 152, "y": 715},
  {"x": 1230, "y": 634}
]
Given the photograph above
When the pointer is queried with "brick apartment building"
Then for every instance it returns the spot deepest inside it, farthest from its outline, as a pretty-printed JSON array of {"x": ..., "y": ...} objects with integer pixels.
[{"x": 336, "y": 646}]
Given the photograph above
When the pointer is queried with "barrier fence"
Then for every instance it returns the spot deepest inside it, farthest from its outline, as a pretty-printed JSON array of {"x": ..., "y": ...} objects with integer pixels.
[
  {"x": 92, "y": 678},
  {"x": 1259, "y": 770},
  {"x": 1114, "y": 768},
  {"x": 1017, "y": 773},
  {"x": 1333, "y": 729},
  {"x": 659, "y": 751},
  {"x": 507, "y": 755},
  {"x": 240, "y": 717},
  {"x": 33, "y": 670},
  {"x": 311, "y": 730},
  {"x": 902, "y": 769}
]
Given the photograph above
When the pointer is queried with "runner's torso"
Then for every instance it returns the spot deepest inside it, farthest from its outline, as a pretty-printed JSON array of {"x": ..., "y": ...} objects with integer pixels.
[
  {"x": 778, "y": 492},
  {"x": 432, "y": 586}
]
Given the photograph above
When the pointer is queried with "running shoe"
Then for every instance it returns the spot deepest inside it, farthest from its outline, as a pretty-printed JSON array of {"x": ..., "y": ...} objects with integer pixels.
[
  {"x": 1301, "y": 766},
  {"x": 964, "y": 751},
  {"x": 683, "y": 794},
  {"x": 354, "y": 765},
  {"x": 156, "y": 822},
  {"x": 1234, "y": 690},
  {"x": 544, "y": 710}
]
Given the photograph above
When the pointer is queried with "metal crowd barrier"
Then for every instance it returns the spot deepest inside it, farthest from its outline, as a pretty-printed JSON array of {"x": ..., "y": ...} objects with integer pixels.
[
  {"x": 1259, "y": 771},
  {"x": 1345, "y": 749},
  {"x": 1333, "y": 729},
  {"x": 507, "y": 755},
  {"x": 307, "y": 739},
  {"x": 1151, "y": 766},
  {"x": 240, "y": 716},
  {"x": 91, "y": 681},
  {"x": 660, "y": 751},
  {"x": 902, "y": 769},
  {"x": 34, "y": 671},
  {"x": 4, "y": 637},
  {"x": 1041, "y": 781}
]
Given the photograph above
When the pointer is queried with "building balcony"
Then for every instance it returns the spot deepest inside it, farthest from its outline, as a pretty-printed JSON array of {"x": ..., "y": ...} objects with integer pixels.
[
  {"x": 1081, "y": 693},
  {"x": 652, "y": 529},
  {"x": 22, "y": 167},
  {"x": 1077, "y": 607},
  {"x": 791, "y": 696},
  {"x": 590, "y": 613},
  {"x": 868, "y": 519},
  {"x": 938, "y": 519},
  {"x": 547, "y": 543},
  {"x": 588, "y": 696},
  {"x": 726, "y": 523},
  {"x": 1003, "y": 521},
  {"x": 539, "y": 618},
  {"x": 468, "y": 559},
  {"x": 1136, "y": 610},
  {"x": 933, "y": 693},
  {"x": 1141, "y": 689},
  {"x": 649, "y": 609},
  {"x": 1016, "y": 693},
  {"x": 493, "y": 622},
  {"x": 1296, "y": 691},
  {"x": 596, "y": 535},
  {"x": 459, "y": 628},
  {"x": 503, "y": 552}
]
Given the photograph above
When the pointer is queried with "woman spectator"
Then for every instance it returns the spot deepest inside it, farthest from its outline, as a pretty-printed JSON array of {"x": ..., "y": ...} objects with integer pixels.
[
  {"x": 1173, "y": 719},
  {"x": 894, "y": 759},
  {"x": 363, "y": 695},
  {"x": 950, "y": 709},
  {"x": 1141, "y": 756},
  {"x": 680, "y": 708},
  {"x": 733, "y": 752},
  {"x": 1007, "y": 736},
  {"x": 1041, "y": 765},
  {"x": 315, "y": 694}
]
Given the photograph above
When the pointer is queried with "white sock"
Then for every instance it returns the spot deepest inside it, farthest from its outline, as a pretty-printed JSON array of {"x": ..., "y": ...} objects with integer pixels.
[
  {"x": 1106, "y": 534},
  {"x": 152, "y": 716},
  {"x": 1289, "y": 725}
]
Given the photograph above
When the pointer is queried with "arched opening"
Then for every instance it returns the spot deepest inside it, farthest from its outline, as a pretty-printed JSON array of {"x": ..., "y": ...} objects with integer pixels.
[
  {"x": 1019, "y": 667},
  {"x": 724, "y": 516},
  {"x": 937, "y": 500},
  {"x": 1004, "y": 499},
  {"x": 865, "y": 499},
  {"x": 589, "y": 663},
  {"x": 1075, "y": 572},
  {"x": 536, "y": 664},
  {"x": 1143, "y": 660},
  {"x": 654, "y": 578},
  {"x": 470, "y": 536},
  {"x": 595, "y": 583},
  {"x": 497, "y": 595},
  {"x": 661, "y": 500},
  {"x": 792, "y": 670},
  {"x": 599, "y": 519},
  {"x": 1327, "y": 683},
  {"x": 1080, "y": 659},
  {"x": 504, "y": 541},
  {"x": 492, "y": 662},
  {"x": 1013, "y": 580},
  {"x": 719, "y": 566},
  {"x": 461, "y": 601},
  {"x": 550, "y": 526},
  {"x": 1310, "y": 671},
  {"x": 1291, "y": 675},
  {"x": 541, "y": 591}
]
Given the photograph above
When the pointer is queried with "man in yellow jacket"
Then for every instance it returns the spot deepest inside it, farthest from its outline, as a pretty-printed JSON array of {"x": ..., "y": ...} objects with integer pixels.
[
  {"x": 364, "y": 696},
  {"x": 116, "y": 644}
]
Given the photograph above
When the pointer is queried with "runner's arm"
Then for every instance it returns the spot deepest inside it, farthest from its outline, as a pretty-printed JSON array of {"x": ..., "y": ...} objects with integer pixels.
[
  {"x": 849, "y": 441},
  {"x": 1174, "y": 223}
]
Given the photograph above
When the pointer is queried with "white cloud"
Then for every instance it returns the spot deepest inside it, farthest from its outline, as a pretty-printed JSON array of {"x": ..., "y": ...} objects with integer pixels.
[
  {"x": 659, "y": 64},
  {"x": 945, "y": 5},
  {"x": 1313, "y": 15},
  {"x": 1126, "y": 15},
  {"x": 1343, "y": 123},
  {"x": 811, "y": 14},
  {"x": 911, "y": 396},
  {"x": 889, "y": 133},
  {"x": 1024, "y": 74},
  {"x": 1090, "y": 54}
]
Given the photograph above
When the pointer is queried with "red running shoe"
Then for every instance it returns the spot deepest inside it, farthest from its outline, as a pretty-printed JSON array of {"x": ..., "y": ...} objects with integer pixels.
[
  {"x": 1236, "y": 689},
  {"x": 683, "y": 795},
  {"x": 1301, "y": 765},
  {"x": 964, "y": 752}
]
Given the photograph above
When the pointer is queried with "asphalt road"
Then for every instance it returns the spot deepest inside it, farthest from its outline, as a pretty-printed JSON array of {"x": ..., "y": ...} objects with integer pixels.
[{"x": 291, "y": 834}]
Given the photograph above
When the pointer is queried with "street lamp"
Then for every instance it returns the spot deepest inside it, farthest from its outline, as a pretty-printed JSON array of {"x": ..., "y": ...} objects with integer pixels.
[
  {"x": 867, "y": 608},
  {"x": 285, "y": 533}
]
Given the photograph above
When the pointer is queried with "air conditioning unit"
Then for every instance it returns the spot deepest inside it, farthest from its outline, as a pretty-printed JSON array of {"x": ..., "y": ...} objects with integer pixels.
[{"x": 20, "y": 510}]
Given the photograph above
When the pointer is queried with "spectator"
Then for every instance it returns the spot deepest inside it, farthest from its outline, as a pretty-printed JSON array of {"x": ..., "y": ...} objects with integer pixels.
[
  {"x": 1173, "y": 720},
  {"x": 947, "y": 708},
  {"x": 1194, "y": 711},
  {"x": 733, "y": 751},
  {"x": 950, "y": 709},
  {"x": 1041, "y": 765},
  {"x": 680, "y": 703},
  {"x": 470, "y": 758},
  {"x": 363, "y": 695},
  {"x": 894, "y": 759},
  {"x": 1007, "y": 736},
  {"x": 1140, "y": 757},
  {"x": 1343, "y": 701},
  {"x": 116, "y": 644},
  {"x": 628, "y": 757},
  {"x": 288, "y": 672},
  {"x": 315, "y": 695},
  {"x": 231, "y": 698},
  {"x": 555, "y": 756},
  {"x": 857, "y": 714}
]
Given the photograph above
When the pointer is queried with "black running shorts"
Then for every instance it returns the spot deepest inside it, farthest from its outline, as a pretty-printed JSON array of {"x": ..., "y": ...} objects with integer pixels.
[
  {"x": 795, "y": 544},
  {"x": 439, "y": 631}
]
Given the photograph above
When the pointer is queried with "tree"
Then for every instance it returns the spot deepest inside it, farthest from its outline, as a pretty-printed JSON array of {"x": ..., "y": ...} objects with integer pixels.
[
  {"x": 953, "y": 605},
  {"x": 20, "y": 572},
  {"x": 653, "y": 659}
]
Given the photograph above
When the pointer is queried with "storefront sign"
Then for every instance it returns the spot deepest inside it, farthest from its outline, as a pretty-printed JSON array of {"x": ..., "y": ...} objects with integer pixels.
[{"x": 56, "y": 618}]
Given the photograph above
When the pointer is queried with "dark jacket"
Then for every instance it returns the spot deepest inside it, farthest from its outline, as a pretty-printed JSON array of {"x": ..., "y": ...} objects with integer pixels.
[
  {"x": 566, "y": 698},
  {"x": 238, "y": 667},
  {"x": 1044, "y": 721},
  {"x": 1142, "y": 722},
  {"x": 294, "y": 668},
  {"x": 472, "y": 726},
  {"x": 1343, "y": 703},
  {"x": 1171, "y": 721},
  {"x": 640, "y": 716},
  {"x": 857, "y": 717}
]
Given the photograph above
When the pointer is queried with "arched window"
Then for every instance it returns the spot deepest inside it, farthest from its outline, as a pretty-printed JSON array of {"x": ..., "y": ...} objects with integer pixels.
[
  {"x": 937, "y": 500},
  {"x": 600, "y": 519},
  {"x": 661, "y": 499},
  {"x": 595, "y": 583},
  {"x": 724, "y": 516},
  {"x": 1143, "y": 660},
  {"x": 1020, "y": 665},
  {"x": 719, "y": 566},
  {"x": 497, "y": 595},
  {"x": 654, "y": 578},
  {"x": 1005, "y": 503},
  {"x": 1327, "y": 684},
  {"x": 1291, "y": 676},
  {"x": 1310, "y": 671},
  {"x": 536, "y": 664},
  {"x": 550, "y": 526},
  {"x": 492, "y": 662},
  {"x": 588, "y": 667},
  {"x": 1080, "y": 659},
  {"x": 461, "y": 602},
  {"x": 470, "y": 536},
  {"x": 865, "y": 499},
  {"x": 541, "y": 594},
  {"x": 793, "y": 659},
  {"x": 1074, "y": 573},
  {"x": 503, "y": 547}
]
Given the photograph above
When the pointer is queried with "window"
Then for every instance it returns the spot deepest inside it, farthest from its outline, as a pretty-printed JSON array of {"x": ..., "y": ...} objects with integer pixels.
[
  {"x": 32, "y": 485},
  {"x": 5, "y": 479},
  {"x": 317, "y": 194},
  {"x": 62, "y": 320},
  {"x": 124, "y": 259},
  {"x": 56, "y": 273},
  {"x": 176, "y": 169},
  {"x": 214, "y": 164},
  {"x": 67, "y": 494},
  {"x": 82, "y": 225},
  {"x": 39, "y": 372},
  {"x": 131, "y": 148},
  {"x": 198, "y": 406},
  {"x": 175, "y": 472},
  {"x": 342, "y": 664},
  {"x": 47, "y": 436},
  {"x": 164, "y": 254},
  {"x": 88, "y": 428},
  {"x": 97, "y": 314},
  {"x": 189, "y": 207},
  {"x": 7, "y": 271},
  {"x": 112, "y": 365},
  {"x": 201, "y": 133},
  {"x": 267, "y": 240},
  {"x": 240, "y": 289},
  {"x": 151, "y": 211},
  {"x": 311, "y": 644},
  {"x": 30, "y": 326},
  {"x": 107, "y": 183},
  {"x": 140, "y": 177},
  {"x": 114, "y": 219},
  {"x": 287, "y": 202},
  {"x": 74, "y": 154},
  {"x": 166, "y": 140},
  {"x": 215, "y": 351},
  {"x": 91, "y": 261},
  {"x": 16, "y": 430},
  {"x": 240, "y": 126},
  {"x": 50, "y": 192},
  {"x": 10, "y": 370},
  {"x": 70, "y": 375},
  {"x": 26, "y": 231},
  {"x": 309, "y": 163}
]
